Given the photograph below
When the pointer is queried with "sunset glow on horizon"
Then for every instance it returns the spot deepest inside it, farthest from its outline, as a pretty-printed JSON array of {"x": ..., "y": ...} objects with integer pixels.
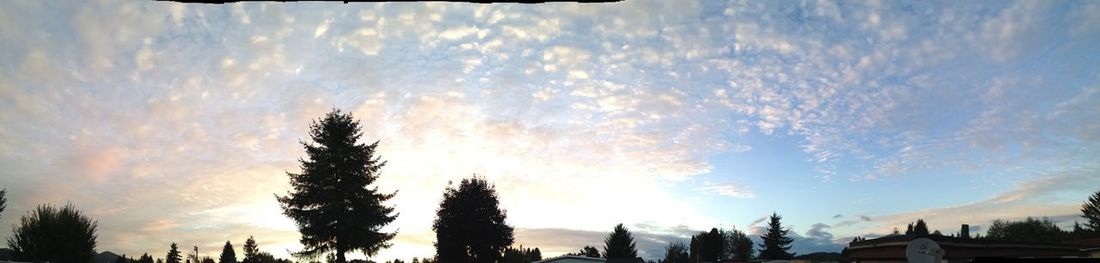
[{"x": 171, "y": 122}]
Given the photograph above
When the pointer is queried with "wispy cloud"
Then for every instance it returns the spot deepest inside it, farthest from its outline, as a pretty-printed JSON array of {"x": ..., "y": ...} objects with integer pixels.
[{"x": 731, "y": 190}]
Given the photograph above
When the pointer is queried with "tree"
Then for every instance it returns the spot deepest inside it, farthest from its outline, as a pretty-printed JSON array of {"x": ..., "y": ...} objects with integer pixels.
[
  {"x": 333, "y": 201},
  {"x": 469, "y": 225},
  {"x": 740, "y": 246},
  {"x": 145, "y": 258},
  {"x": 920, "y": 229},
  {"x": 708, "y": 246},
  {"x": 534, "y": 255},
  {"x": 122, "y": 259},
  {"x": 521, "y": 255},
  {"x": 909, "y": 229},
  {"x": 619, "y": 244},
  {"x": 1027, "y": 230},
  {"x": 588, "y": 251},
  {"x": 776, "y": 242},
  {"x": 3, "y": 200},
  {"x": 228, "y": 256},
  {"x": 173, "y": 254},
  {"x": 54, "y": 235},
  {"x": 250, "y": 248},
  {"x": 676, "y": 252},
  {"x": 1079, "y": 232},
  {"x": 1090, "y": 209}
]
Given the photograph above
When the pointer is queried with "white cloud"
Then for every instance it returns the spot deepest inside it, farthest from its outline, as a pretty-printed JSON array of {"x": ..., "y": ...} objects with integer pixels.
[{"x": 731, "y": 190}]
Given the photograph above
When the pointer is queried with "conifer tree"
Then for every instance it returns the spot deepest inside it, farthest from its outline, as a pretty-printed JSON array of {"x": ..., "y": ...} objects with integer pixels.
[
  {"x": 228, "y": 255},
  {"x": 145, "y": 258},
  {"x": 776, "y": 241},
  {"x": 619, "y": 244},
  {"x": 173, "y": 254},
  {"x": 250, "y": 248},
  {"x": 920, "y": 229},
  {"x": 334, "y": 202},
  {"x": 1091, "y": 211}
]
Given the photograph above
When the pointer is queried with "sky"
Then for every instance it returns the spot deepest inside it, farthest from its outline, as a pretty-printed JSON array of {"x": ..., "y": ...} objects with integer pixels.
[{"x": 171, "y": 122}]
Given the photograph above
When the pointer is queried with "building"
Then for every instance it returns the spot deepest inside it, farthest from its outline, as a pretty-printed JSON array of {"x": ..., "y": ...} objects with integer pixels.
[
  {"x": 892, "y": 249},
  {"x": 1090, "y": 246},
  {"x": 571, "y": 259}
]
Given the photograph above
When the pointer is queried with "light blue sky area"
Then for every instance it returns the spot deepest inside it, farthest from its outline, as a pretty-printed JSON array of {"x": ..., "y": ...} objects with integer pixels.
[{"x": 173, "y": 122}]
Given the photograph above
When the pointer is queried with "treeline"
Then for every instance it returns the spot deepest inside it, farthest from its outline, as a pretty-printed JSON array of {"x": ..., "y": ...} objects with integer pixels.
[
  {"x": 708, "y": 246},
  {"x": 1030, "y": 229},
  {"x": 338, "y": 209}
]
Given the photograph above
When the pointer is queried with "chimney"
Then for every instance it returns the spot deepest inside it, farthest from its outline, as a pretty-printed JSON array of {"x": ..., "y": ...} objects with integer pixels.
[{"x": 965, "y": 231}]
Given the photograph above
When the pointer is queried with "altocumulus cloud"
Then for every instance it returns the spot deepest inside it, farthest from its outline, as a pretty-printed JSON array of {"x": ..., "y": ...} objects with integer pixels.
[{"x": 195, "y": 110}]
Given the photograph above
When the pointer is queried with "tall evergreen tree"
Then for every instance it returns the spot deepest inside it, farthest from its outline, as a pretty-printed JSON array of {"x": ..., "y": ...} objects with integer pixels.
[
  {"x": 619, "y": 244},
  {"x": 250, "y": 248},
  {"x": 54, "y": 235},
  {"x": 334, "y": 203},
  {"x": 776, "y": 242},
  {"x": 1091, "y": 211},
  {"x": 469, "y": 225},
  {"x": 228, "y": 255},
  {"x": 173, "y": 254}
]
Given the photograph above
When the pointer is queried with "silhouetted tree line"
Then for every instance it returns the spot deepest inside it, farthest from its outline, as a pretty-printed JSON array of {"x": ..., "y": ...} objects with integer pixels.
[
  {"x": 587, "y": 251},
  {"x": 1030, "y": 229},
  {"x": 338, "y": 209},
  {"x": 522, "y": 255},
  {"x": 711, "y": 246}
]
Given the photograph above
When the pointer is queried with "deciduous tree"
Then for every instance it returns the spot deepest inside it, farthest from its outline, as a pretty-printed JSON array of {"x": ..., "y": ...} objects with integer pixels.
[
  {"x": 54, "y": 235},
  {"x": 740, "y": 246},
  {"x": 469, "y": 225},
  {"x": 1027, "y": 230},
  {"x": 588, "y": 251},
  {"x": 676, "y": 252}
]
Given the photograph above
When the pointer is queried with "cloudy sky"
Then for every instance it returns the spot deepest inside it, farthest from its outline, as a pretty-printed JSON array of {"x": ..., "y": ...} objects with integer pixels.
[{"x": 174, "y": 122}]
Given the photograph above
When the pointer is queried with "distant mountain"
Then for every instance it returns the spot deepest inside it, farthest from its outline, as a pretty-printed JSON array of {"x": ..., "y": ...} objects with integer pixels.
[
  {"x": 830, "y": 256},
  {"x": 105, "y": 257}
]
